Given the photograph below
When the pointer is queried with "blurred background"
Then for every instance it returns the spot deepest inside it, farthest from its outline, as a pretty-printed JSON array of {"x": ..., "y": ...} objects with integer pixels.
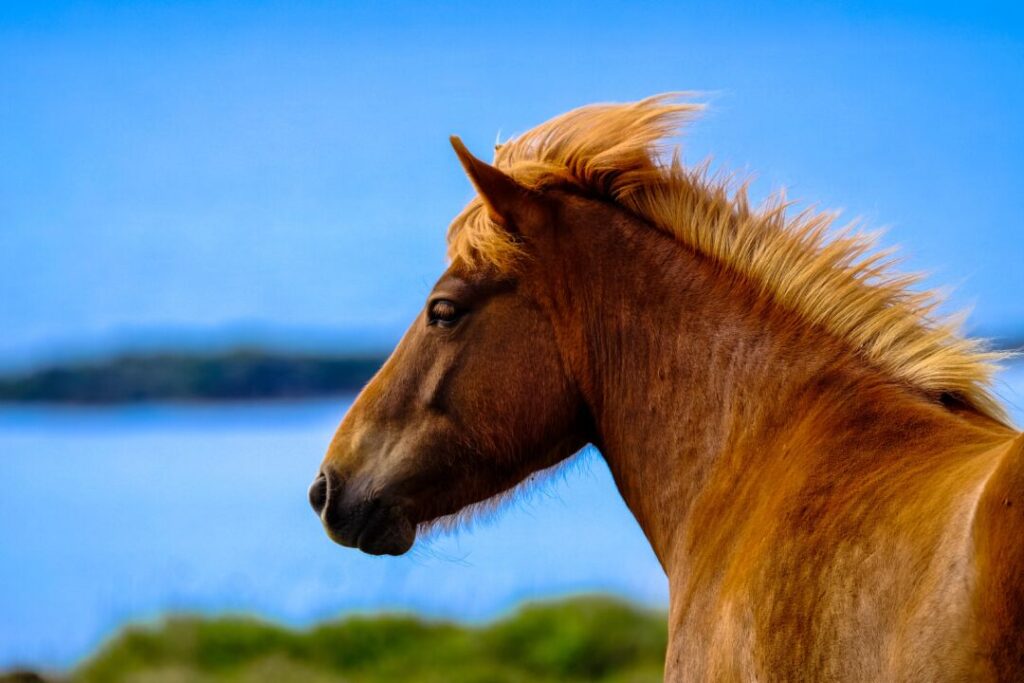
[{"x": 216, "y": 219}]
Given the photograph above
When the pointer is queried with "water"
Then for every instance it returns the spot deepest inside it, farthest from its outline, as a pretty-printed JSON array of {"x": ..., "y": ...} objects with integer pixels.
[{"x": 110, "y": 516}]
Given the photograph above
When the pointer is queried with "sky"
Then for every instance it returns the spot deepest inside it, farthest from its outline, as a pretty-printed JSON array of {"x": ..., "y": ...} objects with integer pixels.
[{"x": 196, "y": 172}]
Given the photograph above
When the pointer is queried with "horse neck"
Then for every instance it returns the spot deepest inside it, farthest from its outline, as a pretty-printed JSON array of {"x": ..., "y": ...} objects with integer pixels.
[{"x": 697, "y": 382}]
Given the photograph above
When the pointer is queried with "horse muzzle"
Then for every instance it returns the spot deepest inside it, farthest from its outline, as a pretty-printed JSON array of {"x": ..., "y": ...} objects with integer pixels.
[{"x": 374, "y": 525}]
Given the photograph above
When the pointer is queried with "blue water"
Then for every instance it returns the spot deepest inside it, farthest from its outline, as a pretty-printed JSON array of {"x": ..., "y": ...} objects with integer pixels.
[{"x": 110, "y": 516}]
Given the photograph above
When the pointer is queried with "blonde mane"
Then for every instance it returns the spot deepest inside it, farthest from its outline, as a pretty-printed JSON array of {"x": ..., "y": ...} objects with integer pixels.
[{"x": 832, "y": 278}]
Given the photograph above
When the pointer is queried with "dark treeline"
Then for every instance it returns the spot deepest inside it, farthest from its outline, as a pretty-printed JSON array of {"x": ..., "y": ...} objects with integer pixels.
[
  {"x": 234, "y": 375},
  {"x": 226, "y": 376}
]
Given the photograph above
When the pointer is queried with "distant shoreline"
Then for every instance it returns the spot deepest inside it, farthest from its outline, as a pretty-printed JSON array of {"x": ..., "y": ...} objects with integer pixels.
[{"x": 239, "y": 375}]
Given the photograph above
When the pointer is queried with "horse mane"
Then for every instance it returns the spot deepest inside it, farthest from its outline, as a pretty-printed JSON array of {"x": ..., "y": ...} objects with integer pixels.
[{"x": 833, "y": 278}]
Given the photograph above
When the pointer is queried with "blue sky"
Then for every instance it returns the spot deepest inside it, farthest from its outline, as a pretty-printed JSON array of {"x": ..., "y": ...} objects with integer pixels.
[{"x": 209, "y": 169}]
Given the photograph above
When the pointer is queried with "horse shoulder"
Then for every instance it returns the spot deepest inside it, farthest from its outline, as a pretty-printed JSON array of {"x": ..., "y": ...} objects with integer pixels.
[{"x": 998, "y": 596}]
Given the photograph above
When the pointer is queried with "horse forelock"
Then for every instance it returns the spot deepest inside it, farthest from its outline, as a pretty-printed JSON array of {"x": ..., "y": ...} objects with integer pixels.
[{"x": 835, "y": 278}]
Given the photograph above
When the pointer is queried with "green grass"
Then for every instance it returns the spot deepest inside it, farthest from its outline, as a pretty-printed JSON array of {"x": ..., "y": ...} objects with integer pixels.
[{"x": 582, "y": 639}]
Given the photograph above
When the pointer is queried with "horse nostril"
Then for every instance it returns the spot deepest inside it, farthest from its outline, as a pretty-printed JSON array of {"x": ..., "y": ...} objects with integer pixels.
[{"x": 318, "y": 493}]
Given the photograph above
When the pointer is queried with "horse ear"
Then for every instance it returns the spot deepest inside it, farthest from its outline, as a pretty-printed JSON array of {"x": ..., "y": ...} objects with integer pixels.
[{"x": 508, "y": 203}]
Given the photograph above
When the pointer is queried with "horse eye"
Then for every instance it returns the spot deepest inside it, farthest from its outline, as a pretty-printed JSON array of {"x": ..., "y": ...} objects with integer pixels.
[{"x": 443, "y": 312}]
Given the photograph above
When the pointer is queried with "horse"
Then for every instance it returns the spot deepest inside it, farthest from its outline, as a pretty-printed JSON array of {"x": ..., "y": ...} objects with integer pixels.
[{"x": 815, "y": 454}]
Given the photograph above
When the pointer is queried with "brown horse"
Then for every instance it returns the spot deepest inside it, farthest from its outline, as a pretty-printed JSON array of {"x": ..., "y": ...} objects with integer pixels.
[{"x": 813, "y": 453}]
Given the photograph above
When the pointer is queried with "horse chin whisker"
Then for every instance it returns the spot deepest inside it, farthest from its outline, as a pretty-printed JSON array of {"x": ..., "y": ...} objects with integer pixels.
[{"x": 487, "y": 511}]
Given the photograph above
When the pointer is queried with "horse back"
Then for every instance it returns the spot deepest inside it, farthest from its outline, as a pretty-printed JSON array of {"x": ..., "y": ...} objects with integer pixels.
[{"x": 999, "y": 559}]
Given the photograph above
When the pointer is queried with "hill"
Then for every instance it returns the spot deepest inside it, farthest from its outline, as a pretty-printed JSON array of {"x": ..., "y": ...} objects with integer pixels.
[{"x": 232, "y": 375}]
